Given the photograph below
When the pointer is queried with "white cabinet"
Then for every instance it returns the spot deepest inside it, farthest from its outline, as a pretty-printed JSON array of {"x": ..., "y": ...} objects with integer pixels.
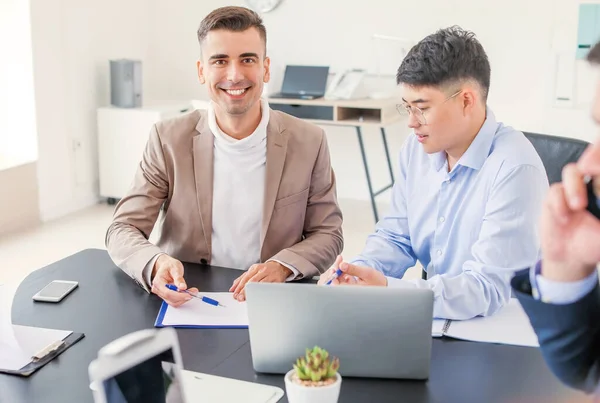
[{"x": 122, "y": 137}]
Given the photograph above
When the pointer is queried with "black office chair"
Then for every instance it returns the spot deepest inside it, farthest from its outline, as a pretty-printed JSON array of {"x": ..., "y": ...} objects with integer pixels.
[{"x": 555, "y": 152}]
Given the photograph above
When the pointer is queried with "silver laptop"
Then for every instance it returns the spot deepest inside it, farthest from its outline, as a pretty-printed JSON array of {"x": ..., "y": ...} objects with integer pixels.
[
  {"x": 376, "y": 332},
  {"x": 303, "y": 82}
]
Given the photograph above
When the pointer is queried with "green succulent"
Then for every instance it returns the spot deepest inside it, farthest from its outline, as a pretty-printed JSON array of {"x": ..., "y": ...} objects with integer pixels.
[{"x": 316, "y": 365}]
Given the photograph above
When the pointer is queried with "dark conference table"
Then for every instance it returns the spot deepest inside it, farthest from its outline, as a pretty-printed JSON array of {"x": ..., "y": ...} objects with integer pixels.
[{"x": 108, "y": 304}]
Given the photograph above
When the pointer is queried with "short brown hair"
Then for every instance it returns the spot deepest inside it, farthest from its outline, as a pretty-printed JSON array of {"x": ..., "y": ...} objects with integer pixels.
[
  {"x": 594, "y": 55},
  {"x": 232, "y": 18}
]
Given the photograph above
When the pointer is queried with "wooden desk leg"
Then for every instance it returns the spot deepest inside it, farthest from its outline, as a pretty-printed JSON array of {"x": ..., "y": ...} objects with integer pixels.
[{"x": 366, "y": 165}]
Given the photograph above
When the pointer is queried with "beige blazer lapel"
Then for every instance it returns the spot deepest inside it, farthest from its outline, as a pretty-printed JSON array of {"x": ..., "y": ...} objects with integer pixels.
[
  {"x": 276, "y": 152},
  {"x": 203, "y": 173}
]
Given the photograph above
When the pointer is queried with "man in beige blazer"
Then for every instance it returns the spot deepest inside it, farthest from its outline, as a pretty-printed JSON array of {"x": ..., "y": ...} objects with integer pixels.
[{"x": 239, "y": 185}]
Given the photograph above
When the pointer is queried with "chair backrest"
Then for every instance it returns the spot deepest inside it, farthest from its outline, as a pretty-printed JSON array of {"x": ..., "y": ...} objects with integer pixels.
[{"x": 556, "y": 152}]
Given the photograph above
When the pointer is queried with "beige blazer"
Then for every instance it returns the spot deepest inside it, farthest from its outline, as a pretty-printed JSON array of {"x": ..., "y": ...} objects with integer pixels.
[{"x": 302, "y": 222}]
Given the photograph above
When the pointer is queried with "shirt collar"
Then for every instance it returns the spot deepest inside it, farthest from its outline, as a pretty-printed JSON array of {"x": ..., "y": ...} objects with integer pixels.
[
  {"x": 479, "y": 149},
  {"x": 259, "y": 134}
]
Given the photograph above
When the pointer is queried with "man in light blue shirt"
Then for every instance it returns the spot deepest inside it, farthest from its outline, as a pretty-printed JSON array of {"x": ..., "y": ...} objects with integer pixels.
[
  {"x": 560, "y": 293},
  {"x": 467, "y": 198}
]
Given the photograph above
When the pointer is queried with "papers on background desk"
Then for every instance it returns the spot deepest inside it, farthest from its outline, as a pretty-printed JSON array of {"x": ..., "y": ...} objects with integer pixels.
[
  {"x": 198, "y": 314},
  {"x": 508, "y": 326},
  {"x": 19, "y": 343}
]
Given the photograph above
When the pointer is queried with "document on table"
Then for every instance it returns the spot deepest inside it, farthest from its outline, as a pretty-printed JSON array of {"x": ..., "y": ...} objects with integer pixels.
[
  {"x": 198, "y": 314},
  {"x": 19, "y": 343},
  {"x": 31, "y": 340},
  {"x": 210, "y": 388},
  {"x": 510, "y": 325},
  {"x": 7, "y": 335},
  {"x": 437, "y": 327}
]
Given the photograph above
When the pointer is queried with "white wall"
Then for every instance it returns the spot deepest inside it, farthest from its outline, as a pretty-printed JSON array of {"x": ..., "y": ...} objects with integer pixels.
[
  {"x": 73, "y": 40},
  {"x": 18, "y": 143},
  {"x": 521, "y": 37},
  {"x": 19, "y": 210},
  {"x": 18, "y": 138}
]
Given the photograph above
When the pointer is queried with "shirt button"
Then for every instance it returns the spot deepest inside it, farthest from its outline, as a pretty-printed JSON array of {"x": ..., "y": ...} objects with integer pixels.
[
  {"x": 439, "y": 252},
  {"x": 442, "y": 219}
]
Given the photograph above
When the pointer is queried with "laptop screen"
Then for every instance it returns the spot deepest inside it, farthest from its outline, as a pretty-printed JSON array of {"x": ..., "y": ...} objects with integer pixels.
[
  {"x": 151, "y": 381},
  {"x": 310, "y": 80}
]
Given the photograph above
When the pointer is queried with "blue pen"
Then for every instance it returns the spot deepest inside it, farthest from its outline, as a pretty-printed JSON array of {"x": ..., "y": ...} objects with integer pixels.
[
  {"x": 204, "y": 299},
  {"x": 338, "y": 273}
]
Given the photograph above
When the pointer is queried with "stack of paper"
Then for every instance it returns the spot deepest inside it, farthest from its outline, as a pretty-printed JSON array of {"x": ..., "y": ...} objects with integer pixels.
[
  {"x": 437, "y": 327},
  {"x": 19, "y": 343},
  {"x": 31, "y": 340},
  {"x": 198, "y": 314},
  {"x": 508, "y": 326},
  {"x": 7, "y": 335}
]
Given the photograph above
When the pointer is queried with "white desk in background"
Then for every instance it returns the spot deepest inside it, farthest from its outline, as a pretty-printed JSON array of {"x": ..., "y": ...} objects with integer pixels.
[
  {"x": 357, "y": 113},
  {"x": 122, "y": 137}
]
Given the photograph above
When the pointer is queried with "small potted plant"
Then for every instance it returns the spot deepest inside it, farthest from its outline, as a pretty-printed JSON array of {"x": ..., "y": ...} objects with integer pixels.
[{"x": 314, "y": 378}]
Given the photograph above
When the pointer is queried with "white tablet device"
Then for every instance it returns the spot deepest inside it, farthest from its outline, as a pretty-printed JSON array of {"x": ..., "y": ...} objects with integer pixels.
[
  {"x": 144, "y": 366},
  {"x": 55, "y": 291}
]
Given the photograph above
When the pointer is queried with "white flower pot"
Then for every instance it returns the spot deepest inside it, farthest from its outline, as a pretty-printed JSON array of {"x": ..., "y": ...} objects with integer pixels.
[{"x": 312, "y": 394}]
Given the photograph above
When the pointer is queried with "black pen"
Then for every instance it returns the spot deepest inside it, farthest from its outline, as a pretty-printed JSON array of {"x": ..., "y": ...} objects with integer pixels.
[{"x": 592, "y": 205}]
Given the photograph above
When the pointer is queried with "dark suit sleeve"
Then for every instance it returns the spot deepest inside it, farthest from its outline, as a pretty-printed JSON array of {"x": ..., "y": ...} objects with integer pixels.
[{"x": 569, "y": 335}]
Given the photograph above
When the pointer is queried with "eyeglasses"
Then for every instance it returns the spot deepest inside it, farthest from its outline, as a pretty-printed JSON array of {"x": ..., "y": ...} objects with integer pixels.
[{"x": 404, "y": 109}]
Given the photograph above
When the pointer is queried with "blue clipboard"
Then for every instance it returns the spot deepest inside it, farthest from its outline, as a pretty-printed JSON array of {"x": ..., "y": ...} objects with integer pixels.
[{"x": 163, "y": 310}]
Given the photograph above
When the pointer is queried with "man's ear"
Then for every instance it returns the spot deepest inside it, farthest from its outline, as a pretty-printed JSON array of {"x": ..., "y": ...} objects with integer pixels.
[
  {"x": 200, "y": 68},
  {"x": 469, "y": 98},
  {"x": 267, "y": 75}
]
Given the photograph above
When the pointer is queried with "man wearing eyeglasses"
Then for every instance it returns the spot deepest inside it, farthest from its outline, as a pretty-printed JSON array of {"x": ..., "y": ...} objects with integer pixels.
[{"x": 469, "y": 189}]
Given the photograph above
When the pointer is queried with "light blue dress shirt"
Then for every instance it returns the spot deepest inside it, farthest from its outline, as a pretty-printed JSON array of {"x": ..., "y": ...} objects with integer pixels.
[
  {"x": 471, "y": 228},
  {"x": 558, "y": 292}
]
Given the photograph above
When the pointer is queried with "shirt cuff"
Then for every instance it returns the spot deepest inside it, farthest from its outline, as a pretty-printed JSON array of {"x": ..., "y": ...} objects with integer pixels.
[
  {"x": 560, "y": 292},
  {"x": 295, "y": 272},
  {"x": 147, "y": 271}
]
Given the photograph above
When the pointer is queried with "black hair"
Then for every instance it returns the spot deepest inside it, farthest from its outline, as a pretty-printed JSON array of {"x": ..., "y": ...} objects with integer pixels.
[{"x": 450, "y": 55}]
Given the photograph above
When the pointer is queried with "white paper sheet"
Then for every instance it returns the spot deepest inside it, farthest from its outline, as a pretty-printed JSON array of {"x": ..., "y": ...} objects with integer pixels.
[
  {"x": 198, "y": 313},
  {"x": 31, "y": 340},
  {"x": 11, "y": 358},
  {"x": 508, "y": 326},
  {"x": 19, "y": 343},
  {"x": 209, "y": 388},
  {"x": 7, "y": 336},
  {"x": 437, "y": 327}
]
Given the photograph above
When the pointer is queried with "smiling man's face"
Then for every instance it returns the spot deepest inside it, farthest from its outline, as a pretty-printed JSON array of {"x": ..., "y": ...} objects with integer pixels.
[{"x": 234, "y": 68}]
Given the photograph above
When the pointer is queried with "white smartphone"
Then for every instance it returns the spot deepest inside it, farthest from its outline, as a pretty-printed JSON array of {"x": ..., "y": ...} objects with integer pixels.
[
  {"x": 55, "y": 291},
  {"x": 139, "y": 367}
]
